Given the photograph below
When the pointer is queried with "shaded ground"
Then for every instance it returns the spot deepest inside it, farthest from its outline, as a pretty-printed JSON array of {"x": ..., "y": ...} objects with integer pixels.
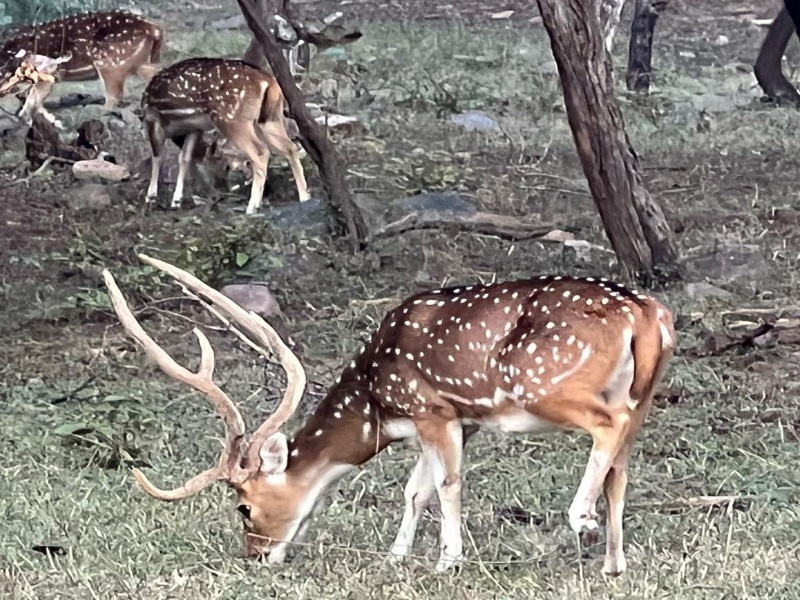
[{"x": 81, "y": 405}]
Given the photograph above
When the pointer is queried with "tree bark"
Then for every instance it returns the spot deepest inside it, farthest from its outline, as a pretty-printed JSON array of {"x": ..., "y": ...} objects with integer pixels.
[
  {"x": 313, "y": 137},
  {"x": 609, "y": 13},
  {"x": 640, "y": 50},
  {"x": 635, "y": 224},
  {"x": 768, "y": 68}
]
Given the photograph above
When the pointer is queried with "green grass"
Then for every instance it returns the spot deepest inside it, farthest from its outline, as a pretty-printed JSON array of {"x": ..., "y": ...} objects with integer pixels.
[{"x": 731, "y": 430}]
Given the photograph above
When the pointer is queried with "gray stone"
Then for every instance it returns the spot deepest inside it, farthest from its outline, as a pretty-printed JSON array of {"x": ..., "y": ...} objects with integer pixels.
[
  {"x": 475, "y": 120},
  {"x": 234, "y": 22},
  {"x": 437, "y": 204},
  {"x": 743, "y": 263},
  {"x": 253, "y": 296},
  {"x": 425, "y": 207},
  {"x": 311, "y": 216},
  {"x": 89, "y": 196},
  {"x": 701, "y": 290},
  {"x": 99, "y": 170}
]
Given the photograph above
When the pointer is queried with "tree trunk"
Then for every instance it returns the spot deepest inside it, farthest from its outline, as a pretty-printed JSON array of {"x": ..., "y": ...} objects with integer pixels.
[
  {"x": 768, "y": 68},
  {"x": 793, "y": 8},
  {"x": 635, "y": 224},
  {"x": 640, "y": 51},
  {"x": 609, "y": 13},
  {"x": 313, "y": 137}
]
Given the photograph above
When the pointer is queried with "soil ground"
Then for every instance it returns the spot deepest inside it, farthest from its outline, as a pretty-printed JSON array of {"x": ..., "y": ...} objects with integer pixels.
[{"x": 81, "y": 405}]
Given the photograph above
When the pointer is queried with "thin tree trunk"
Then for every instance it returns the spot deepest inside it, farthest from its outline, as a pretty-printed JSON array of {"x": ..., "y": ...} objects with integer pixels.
[
  {"x": 640, "y": 50},
  {"x": 312, "y": 136},
  {"x": 768, "y": 68},
  {"x": 609, "y": 13},
  {"x": 634, "y": 222}
]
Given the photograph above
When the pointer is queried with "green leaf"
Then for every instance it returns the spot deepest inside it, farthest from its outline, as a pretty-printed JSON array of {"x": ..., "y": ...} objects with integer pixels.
[
  {"x": 241, "y": 259},
  {"x": 68, "y": 429}
]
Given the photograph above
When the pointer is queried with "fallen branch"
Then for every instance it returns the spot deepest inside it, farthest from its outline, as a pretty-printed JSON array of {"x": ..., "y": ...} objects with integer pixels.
[{"x": 502, "y": 226}]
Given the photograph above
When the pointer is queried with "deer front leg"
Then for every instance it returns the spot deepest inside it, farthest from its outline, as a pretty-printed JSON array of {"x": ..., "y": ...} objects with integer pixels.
[
  {"x": 184, "y": 160},
  {"x": 418, "y": 492},
  {"x": 157, "y": 139},
  {"x": 442, "y": 446}
]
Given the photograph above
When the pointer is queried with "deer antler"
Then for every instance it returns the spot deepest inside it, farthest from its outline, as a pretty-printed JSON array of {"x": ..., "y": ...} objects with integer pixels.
[{"x": 239, "y": 459}]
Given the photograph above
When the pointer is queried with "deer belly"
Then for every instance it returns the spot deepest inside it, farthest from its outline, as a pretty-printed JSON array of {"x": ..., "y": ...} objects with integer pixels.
[
  {"x": 78, "y": 73},
  {"x": 183, "y": 121},
  {"x": 516, "y": 420}
]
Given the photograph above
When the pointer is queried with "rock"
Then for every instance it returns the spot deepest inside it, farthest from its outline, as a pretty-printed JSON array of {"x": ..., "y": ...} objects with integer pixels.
[
  {"x": 426, "y": 207},
  {"x": 311, "y": 216},
  {"x": 255, "y": 297},
  {"x": 234, "y": 22},
  {"x": 701, "y": 290},
  {"x": 743, "y": 263},
  {"x": 89, "y": 196},
  {"x": 475, "y": 120},
  {"x": 436, "y": 204},
  {"x": 99, "y": 170}
]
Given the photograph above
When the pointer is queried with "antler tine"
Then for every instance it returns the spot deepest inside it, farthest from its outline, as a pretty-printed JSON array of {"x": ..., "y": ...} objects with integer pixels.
[
  {"x": 202, "y": 381},
  {"x": 267, "y": 337}
]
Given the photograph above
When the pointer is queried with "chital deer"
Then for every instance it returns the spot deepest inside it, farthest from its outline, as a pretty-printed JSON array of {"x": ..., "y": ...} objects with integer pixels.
[
  {"x": 111, "y": 46},
  {"x": 242, "y": 102},
  {"x": 539, "y": 355}
]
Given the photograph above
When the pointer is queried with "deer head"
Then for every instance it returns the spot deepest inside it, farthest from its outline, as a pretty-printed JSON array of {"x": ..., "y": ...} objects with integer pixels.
[{"x": 253, "y": 467}]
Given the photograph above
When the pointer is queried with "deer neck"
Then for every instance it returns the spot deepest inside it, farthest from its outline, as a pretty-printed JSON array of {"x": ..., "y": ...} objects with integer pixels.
[{"x": 344, "y": 430}]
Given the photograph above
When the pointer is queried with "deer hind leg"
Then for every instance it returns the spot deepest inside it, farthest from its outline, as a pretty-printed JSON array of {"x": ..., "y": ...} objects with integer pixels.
[
  {"x": 608, "y": 433},
  {"x": 247, "y": 138},
  {"x": 113, "y": 78},
  {"x": 418, "y": 492},
  {"x": 184, "y": 161},
  {"x": 157, "y": 138},
  {"x": 278, "y": 141}
]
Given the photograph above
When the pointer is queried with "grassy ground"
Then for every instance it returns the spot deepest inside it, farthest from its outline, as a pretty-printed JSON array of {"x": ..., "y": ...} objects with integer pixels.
[{"x": 81, "y": 405}]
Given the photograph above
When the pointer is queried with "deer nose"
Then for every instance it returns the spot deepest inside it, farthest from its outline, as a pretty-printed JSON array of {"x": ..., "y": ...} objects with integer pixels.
[{"x": 244, "y": 510}]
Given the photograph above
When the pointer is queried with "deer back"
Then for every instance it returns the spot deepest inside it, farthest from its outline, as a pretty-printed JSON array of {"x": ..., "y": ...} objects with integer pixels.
[
  {"x": 224, "y": 89},
  {"x": 92, "y": 39}
]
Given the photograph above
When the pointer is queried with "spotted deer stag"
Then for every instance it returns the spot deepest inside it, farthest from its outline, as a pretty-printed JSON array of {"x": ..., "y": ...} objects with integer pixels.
[
  {"x": 240, "y": 101},
  {"x": 532, "y": 356},
  {"x": 110, "y": 46}
]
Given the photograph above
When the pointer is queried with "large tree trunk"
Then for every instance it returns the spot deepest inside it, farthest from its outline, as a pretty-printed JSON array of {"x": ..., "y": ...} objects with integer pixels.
[
  {"x": 768, "y": 68},
  {"x": 640, "y": 50},
  {"x": 634, "y": 222},
  {"x": 313, "y": 136}
]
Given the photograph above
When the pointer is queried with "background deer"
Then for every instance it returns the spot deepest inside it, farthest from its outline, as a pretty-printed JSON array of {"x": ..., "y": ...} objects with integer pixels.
[
  {"x": 110, "y": 46},
  {"x": 242, "y": 102},
  {"x": 539, "y": 355}
]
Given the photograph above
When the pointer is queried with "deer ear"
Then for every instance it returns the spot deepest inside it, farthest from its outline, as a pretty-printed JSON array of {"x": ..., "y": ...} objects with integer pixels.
[{"x": 274, "y": 454}]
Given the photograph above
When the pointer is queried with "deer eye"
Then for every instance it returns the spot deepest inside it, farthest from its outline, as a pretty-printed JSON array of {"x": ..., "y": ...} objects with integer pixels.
[{"x": 244, "y": 510}]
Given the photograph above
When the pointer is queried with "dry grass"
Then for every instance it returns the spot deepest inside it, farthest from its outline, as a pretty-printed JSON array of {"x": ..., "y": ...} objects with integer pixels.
[{"x": 733, "y": 429}]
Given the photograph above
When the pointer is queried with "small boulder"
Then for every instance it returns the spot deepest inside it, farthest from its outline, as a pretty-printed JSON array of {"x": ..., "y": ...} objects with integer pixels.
[
  {"x": 89, "y": 196},
  {"x": 253, "y": 296},
  {"x": 99, "y": 170},
  {"x": 475, "y": 120}
]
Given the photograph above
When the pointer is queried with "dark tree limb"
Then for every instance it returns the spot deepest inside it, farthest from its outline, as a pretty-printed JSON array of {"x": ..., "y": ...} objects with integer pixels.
[
  {"x": 640, "y": 50},
  {"x": 502, "y": 226},
  {"x": 313, "y": 136},
  {"x": 768, "y": 68},
  {"x": 634, "y": 222}
]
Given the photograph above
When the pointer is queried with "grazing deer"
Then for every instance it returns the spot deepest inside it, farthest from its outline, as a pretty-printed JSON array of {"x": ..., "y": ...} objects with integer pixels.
[
  {"x": 108, "y": 45},
  {"x": 242, "y": 102},
  {"x": 538, "y": 355}
]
